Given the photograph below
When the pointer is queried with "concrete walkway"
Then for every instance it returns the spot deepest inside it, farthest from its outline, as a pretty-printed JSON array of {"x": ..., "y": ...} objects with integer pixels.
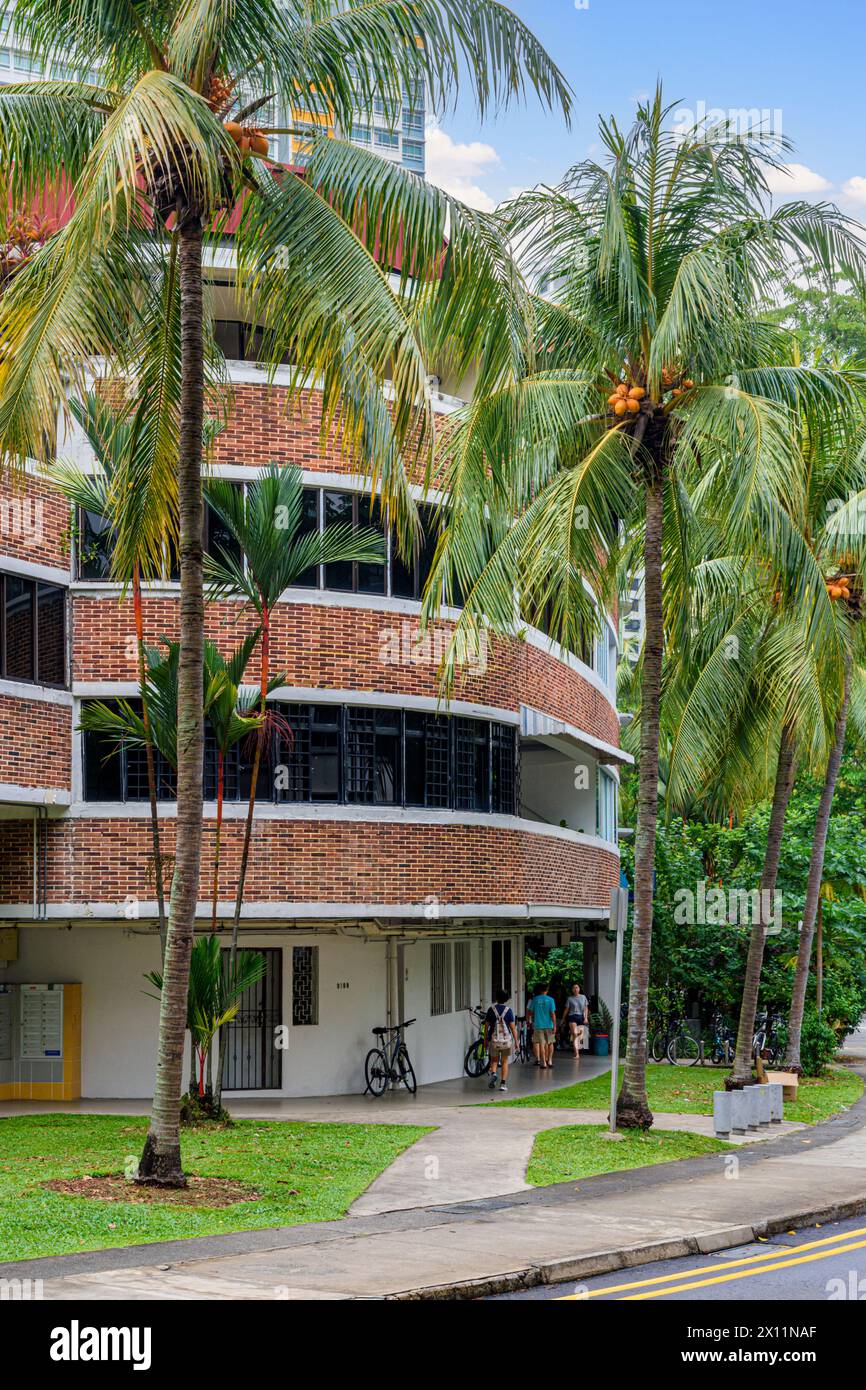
[{"x": 448, "y": 1245}]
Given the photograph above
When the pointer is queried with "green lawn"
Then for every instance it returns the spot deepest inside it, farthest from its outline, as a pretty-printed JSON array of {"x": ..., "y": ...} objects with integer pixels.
[
  {"x": 304, "y": 1172},
  {"x": 581, "y": 1151},
  {"x": 689, "y": 1091}
]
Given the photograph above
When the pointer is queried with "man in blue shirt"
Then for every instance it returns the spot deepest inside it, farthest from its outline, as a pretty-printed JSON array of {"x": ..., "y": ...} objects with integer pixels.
[{"x": 542, "y": 1010}]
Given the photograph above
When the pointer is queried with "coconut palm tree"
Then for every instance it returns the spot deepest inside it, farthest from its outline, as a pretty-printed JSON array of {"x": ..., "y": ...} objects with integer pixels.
[
  {"x": 646, "y": 365},
  {"x": 159, "y": 156}
]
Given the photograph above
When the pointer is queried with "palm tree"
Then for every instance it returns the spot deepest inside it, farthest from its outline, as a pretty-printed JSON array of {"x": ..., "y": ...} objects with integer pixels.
[
  {"x": 213, "y": 1000},
  {"x": 122, "y": 447},
  {"x": 158, "y": 155},
  {"x": 651, "y": 367},
  {"x": 273, "y": 553}
]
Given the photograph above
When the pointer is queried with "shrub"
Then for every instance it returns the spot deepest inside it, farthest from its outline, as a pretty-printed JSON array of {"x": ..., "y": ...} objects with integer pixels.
[{"x": 818, "y": 1043}]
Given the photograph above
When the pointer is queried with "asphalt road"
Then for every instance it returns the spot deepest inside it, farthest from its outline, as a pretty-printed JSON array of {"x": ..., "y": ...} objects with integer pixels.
[{"x": 821, "y": 1264}]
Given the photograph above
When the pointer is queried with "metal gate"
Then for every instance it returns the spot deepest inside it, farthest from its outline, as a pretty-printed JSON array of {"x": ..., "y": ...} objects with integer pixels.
[{"x": 252, "y": 1062}]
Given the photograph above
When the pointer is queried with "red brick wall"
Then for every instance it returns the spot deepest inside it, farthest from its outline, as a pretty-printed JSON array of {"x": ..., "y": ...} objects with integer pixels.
[
  {"x": 35, "y": 743},
  {"x": 34, "y": 522},
  {"x": 319, "y": 861},
  {"x": 345, "y": 649}
]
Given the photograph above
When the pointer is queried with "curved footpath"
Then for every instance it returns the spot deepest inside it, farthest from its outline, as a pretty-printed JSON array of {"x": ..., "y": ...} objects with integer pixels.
[{"x": 464, "y": 1248}]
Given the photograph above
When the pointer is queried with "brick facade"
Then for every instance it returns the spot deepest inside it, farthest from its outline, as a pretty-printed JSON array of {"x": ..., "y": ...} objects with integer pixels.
[
  {"x": 347, "y": 649},
  {"x": 321, "y": 861},
  {"x": 34, "y": 522},
  {"x": 35, "y": 743}
]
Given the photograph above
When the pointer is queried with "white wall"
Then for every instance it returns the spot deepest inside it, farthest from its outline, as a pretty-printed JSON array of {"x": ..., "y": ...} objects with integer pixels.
[
  {"x": 119, "y": 1020},
  {"x": 547, "y": 789}
]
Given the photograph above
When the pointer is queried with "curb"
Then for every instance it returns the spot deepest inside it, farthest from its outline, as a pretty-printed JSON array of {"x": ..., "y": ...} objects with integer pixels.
[{"x": 609, "y": 1261}]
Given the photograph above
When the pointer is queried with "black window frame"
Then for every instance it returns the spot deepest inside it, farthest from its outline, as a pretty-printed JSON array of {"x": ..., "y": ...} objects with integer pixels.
[
  {"x": 36, "y": 587},
  {"x": 355, "y": 736}
]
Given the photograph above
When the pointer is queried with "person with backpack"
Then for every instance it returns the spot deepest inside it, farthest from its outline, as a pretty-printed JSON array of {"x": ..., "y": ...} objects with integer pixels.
[
  {"x": 501, "y": 1034},
  {"x": 576, "y": 1014}
]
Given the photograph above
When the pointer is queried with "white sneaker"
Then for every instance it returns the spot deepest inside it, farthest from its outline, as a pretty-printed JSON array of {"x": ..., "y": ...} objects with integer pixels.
[{"x": 502, "y": 1086}]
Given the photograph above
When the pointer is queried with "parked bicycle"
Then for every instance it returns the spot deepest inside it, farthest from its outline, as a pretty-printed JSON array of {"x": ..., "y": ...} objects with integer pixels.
[
  {"x": 524, "y": 1046},
  {"x": 390, "y": 1061},
  {"x": 766, "y": 1042},
  {"x": 676, "y": 1042},
  {"x": 722, "y": 1042},
  {"x": 477, "y": 1059}
]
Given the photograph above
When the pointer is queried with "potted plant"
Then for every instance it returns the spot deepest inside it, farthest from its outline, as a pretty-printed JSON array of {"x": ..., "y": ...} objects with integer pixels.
[{"x": 601, "y": 1027}]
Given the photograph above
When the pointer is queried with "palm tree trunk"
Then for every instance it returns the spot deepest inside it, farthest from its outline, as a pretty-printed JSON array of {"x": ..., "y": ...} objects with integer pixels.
[
  {"x": 218, "y": 839},
  {"x": 161, "y": 1159},
  {"x": 632, "y": 1109},
  {"x": 819, "y": 961},
  {"x": 785, "y": 774},
  {"x": 816, "y": 874},
  {"x": 148, "y": 752},
  {"x": 248, "y": 835}
]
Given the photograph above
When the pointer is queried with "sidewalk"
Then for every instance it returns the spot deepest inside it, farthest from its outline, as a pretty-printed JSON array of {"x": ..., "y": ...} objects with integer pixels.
[{"x": 465, "y": 1247}]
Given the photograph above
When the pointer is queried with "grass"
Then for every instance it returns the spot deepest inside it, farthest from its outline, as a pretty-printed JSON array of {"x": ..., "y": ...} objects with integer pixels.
[
  {"x": 581, "y": 1151},
  {"x": 304, "y": 1172},
  {"x": 689, "y": 1091}
]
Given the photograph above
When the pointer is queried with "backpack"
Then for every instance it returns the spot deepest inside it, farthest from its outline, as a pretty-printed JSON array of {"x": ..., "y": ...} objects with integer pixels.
[{"x": 501, "y": 1035}]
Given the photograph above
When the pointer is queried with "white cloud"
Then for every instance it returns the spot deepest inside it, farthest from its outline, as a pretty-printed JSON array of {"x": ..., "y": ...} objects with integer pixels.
[
  {"x": 796, "y": 178},
  {"x": 855, "y": 189},
  {"x": 458, "y": 168}
]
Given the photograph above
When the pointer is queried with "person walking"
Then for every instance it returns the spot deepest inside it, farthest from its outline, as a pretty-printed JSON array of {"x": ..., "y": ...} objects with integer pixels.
[
  {"x": 543, "y": 1010},
  {"x": 576, "y": 1013},
  {"x": 501, "y": 1033}
]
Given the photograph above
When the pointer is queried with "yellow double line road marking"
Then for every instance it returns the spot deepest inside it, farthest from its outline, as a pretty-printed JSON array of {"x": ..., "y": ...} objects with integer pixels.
[{"x": 765, "y": 1263}]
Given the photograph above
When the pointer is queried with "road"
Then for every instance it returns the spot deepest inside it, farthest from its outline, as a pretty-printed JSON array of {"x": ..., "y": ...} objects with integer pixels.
[{"x": 818, "y": 1264}]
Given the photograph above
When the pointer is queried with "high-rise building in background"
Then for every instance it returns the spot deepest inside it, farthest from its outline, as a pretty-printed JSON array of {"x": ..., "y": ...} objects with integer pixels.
[{"x": 400, "y": 139}]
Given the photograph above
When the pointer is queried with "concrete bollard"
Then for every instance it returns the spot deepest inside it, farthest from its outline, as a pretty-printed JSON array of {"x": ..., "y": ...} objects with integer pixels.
[
  {"x": 763, "y": 1104},
  {"x": 739, "y": 1113},
  {"x": 752, "y": 1102},
  {"x": 777, "y": 1104},
  {"x": 722, "y": 1112}
]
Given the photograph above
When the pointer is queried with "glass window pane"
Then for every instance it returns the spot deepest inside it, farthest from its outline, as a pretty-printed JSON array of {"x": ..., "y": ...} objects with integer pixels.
[
  {"x": 339, "y": 510},
  {"x": 371, "y": 578},
  {"x": 309, "y": 524},
  {"x": 51, "y": 618},
  {"x": 102, "y": 768},
  {"x": 18, "y": 629},
  {"x": 95, "y": 544}
]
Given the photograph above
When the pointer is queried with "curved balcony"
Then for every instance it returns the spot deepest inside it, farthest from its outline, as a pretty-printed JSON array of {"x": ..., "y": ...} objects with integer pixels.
[{"x": 329, "y": 863}]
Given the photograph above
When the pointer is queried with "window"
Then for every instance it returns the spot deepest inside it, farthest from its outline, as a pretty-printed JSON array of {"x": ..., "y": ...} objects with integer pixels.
[
  {"x": 32, "y": 631},
  {"x": 606, "y": 803},
  {"x": 408, "y": 578},
  {"x": 361, "y": 134},
  {"x": 96, "y": 536},
  {"x": 440, "y": 978},
  {"x": 353, "y": 576},
  {"x": 387, "y": 139},
  {"x": 462, "y": 975},
  {"x": 413, "y": 153},
  {"x": 344, "y": 755},
  {"x": 305, "y": 986}
]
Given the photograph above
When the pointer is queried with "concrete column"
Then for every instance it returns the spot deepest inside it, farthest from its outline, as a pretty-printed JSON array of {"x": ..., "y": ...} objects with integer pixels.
[
  {"x": 777, "y": 1111},
  {"x": 739, "y": 1112}
]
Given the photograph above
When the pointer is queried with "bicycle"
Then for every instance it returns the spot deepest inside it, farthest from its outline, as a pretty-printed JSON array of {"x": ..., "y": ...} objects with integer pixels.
[
  {"x": 685, "y": 1048},
  {"x": 380, "y": 1068},
  {"x": 477, "y": 1060},
  {"x": 523, "y": 1052},
  {"x": 660, "y": 1042},
  {"x": 722, "y": 1042},
  {"x": 765, "y": 1042}
]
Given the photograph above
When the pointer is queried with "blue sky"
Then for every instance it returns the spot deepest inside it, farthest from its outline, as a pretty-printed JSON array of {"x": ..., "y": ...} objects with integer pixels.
[{"x": 802, "y": 58}]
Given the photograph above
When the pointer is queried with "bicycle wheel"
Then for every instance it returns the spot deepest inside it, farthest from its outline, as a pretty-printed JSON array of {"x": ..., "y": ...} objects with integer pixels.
[
  {"x": 376, "y": 1072},
  {"x": 477, "y": 1061},
  {"x": 406, "y": 1071},
  {"x": 684, "y": 1048},
  {"x": 658, "y": 1047}
]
